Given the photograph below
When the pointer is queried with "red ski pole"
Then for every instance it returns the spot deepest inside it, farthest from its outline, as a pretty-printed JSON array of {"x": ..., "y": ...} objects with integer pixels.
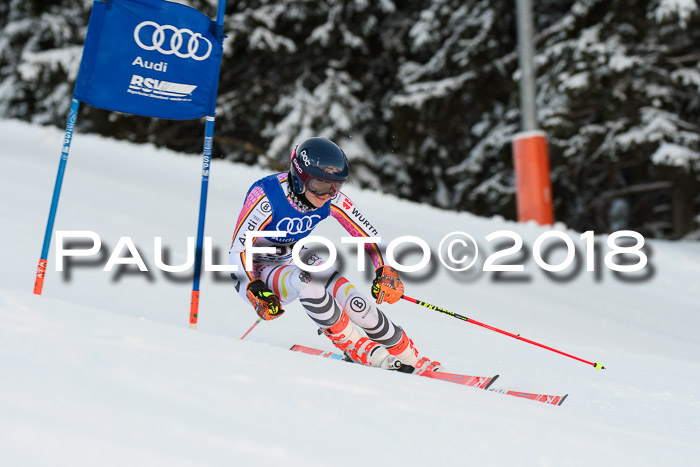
[
  {"x": 597, "y": 366},
  {"x": 251, "y": 328}
]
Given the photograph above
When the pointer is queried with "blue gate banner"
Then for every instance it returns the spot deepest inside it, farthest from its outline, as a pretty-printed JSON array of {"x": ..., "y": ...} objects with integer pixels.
[{"x": 150, "y": 57}]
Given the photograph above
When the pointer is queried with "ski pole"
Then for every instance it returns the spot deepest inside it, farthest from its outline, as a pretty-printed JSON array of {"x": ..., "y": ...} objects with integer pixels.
[
  {"x": 597, "y": 366},
  {"x": 257, "y": 321}
]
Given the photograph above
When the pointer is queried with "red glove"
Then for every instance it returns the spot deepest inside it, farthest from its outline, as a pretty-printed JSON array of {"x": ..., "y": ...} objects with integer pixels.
[
  {"x": 387, "y": 287},
  {"x": 266, "y": 303}
]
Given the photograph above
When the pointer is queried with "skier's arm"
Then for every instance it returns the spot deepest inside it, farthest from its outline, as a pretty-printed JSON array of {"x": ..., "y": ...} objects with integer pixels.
[
  {"x": 255, "y": 215},
  {"x": 387, "y": 286},
  {"x": 357, "y": 225}
]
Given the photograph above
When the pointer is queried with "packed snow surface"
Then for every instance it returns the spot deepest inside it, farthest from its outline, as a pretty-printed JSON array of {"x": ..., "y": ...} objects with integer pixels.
[{"x": 103, "y": 369}]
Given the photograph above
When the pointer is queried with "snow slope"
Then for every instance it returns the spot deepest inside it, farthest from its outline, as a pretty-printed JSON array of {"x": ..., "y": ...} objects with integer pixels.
[{"x": 104, "y": 370}]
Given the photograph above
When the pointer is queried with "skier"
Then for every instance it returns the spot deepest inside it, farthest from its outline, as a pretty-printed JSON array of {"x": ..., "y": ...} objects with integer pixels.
[{"x": 295, "y": 202}]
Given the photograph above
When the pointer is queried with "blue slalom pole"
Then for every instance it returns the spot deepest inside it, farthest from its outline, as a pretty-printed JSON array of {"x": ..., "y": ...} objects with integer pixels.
[
  {"x": 206, "y": 163},
  {"x": 70, "y": 127},
  {"x": 220, "y": 19}
]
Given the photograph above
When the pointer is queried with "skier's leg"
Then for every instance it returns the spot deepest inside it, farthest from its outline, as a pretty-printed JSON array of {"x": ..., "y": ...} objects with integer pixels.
[
  {"x": 335, "y": 304},
  {"x": 277, "y": 278},
  {"x": 364, "y": 312},
  {"x": 290, "y": 282},
  {"x": 336, "y": 325}
]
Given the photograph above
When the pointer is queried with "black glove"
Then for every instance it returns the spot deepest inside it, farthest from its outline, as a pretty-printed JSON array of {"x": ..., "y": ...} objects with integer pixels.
[{"x": 266, "y": 303}]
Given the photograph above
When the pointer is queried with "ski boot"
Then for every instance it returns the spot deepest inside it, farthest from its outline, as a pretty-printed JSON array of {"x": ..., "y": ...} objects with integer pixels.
[
  {"x": 360, "y": 349},
  {"x": 407, "y": 354}
]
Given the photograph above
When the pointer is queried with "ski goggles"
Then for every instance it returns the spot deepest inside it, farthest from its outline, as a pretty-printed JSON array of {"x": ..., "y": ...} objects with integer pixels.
[{"x": 321, "y": 187}]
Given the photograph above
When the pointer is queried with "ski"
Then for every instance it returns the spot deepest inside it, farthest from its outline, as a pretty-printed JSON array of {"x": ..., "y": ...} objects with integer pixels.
[
  {"x": 481, "y": 382},
  {"x": 546, "y": 398}
]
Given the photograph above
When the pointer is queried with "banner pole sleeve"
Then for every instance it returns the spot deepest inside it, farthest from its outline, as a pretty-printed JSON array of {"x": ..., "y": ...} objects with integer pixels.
[
  {"x": 68, "y": 137},
  {"x": 206, "y": 163},
  {"x": 220, "y": 17}
]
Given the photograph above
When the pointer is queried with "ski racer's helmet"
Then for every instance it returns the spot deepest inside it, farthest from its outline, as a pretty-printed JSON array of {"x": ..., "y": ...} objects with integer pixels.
[{"x": 318, "y": 165}]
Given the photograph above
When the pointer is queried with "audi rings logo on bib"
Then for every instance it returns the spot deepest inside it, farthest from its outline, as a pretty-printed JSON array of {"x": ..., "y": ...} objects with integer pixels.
[
  {"x": 298, "y": 225},
  {"x": 183, "y": 42}
]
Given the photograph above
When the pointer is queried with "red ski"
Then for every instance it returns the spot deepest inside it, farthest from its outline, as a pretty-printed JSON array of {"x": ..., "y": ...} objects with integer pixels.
[
  {"x": 481, "y": 382},
  {"x": 547, "y": 399}
]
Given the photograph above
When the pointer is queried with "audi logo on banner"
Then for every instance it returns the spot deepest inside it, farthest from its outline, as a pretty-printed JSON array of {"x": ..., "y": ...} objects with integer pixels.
[
  {"x": 193, "y": 43},
  {"x": 297, "y": 225}
]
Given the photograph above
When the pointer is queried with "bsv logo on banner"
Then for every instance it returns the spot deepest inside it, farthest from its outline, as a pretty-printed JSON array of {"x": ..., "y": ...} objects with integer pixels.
[
  {"x": 177, "y": 40},
  {"x": 297, "y": 225},
  {"x": 158, "y": 88}
]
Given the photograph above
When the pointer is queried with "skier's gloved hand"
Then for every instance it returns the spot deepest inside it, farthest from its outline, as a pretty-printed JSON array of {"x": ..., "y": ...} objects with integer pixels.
[
  {"x": 387, "y": 287},
  {"x": 266, "y": 303}
]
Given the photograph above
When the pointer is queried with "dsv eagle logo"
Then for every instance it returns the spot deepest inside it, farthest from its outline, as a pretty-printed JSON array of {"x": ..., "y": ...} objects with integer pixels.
[
  {"x": 177, "y": 40},
  {"x": 298, "y": 225}
]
